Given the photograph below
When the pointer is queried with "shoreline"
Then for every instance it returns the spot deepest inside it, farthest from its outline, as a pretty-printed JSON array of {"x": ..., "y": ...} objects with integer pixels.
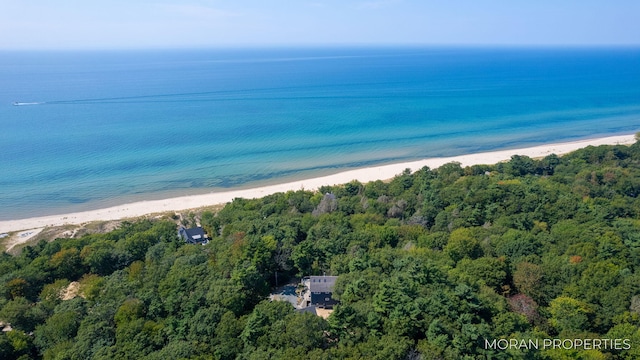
[{"x": 364, "y": 175}]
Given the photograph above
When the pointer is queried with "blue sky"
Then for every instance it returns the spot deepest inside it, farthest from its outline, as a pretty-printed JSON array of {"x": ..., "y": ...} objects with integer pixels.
[{"x": 80, "y": 24}]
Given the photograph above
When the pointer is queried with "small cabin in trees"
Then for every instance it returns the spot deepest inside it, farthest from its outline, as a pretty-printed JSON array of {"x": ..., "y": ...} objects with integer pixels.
[
  {"x": 194, "y": 235},
  {"x": 321, "y": 289}
]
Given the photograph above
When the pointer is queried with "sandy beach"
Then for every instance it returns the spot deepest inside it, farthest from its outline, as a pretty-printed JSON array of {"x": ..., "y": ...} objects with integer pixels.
[{"x": 363, "y": 175}]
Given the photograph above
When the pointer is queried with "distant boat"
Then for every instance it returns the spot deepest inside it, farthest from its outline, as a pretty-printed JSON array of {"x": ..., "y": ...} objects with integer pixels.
[{"x": 16, "y": 103}]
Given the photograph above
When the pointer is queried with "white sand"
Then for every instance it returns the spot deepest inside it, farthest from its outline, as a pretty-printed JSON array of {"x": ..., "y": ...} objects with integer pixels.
[
  {"x": 363, "y": 175},
  {"x": 21, "y": 237}
]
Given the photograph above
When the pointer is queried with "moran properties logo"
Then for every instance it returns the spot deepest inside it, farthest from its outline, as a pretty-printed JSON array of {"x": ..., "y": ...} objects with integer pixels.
[{"x": 566, "y": 344}]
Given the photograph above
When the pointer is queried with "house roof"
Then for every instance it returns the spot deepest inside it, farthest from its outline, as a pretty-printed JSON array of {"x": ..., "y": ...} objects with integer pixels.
[
  {"x": 322, "y": 284},
  {"x": 196, "y": 233}
]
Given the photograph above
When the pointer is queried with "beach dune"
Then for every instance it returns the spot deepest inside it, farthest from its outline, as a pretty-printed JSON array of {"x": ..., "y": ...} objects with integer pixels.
[{"x": 363, "y": 175}]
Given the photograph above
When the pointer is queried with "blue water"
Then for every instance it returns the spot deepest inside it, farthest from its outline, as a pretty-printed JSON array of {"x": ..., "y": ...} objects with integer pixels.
[{"x": 102, "y": 128}]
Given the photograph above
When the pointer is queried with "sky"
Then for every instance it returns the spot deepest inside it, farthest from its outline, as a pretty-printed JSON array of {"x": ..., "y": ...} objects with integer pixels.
[{"x": 142, "y": 24}]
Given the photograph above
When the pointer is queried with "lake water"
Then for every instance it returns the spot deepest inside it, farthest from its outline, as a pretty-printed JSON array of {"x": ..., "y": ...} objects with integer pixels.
[{"x": 94, "y": 129}]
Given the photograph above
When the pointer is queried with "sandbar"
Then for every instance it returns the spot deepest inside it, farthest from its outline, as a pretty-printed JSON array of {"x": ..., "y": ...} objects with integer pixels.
[{"x": 363, "y": 175}]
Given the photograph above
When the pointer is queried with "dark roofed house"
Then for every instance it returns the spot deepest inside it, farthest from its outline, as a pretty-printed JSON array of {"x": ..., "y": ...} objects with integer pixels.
[
  {"x": 193, "y": 236},
  {"x": 321, "y": 288}
]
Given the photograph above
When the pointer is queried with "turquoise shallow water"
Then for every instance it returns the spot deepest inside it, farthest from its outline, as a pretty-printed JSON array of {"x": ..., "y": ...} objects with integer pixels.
[{"x": 100, "y": 128}]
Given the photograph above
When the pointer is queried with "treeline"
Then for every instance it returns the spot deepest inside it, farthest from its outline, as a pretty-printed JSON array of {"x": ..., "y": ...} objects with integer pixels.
[{"x": 430, "y": 265}]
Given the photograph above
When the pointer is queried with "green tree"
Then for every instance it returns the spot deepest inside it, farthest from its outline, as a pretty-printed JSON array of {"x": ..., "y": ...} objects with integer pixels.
[
  {"x": 228, "y": 343},
  {"x": 487, "y": 271},
  {"x": 100, "y": 257},
  {"x": 60, "y": 327},
  {"x": 21, "y": 314},
  {"x": 67, "y": 264},
  {"x": 570, "y": 316},
  {"x": 462, "y": 244}
]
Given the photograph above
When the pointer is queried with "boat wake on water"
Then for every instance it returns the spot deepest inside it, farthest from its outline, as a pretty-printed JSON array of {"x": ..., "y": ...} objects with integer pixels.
[
  {"x": 276, "y": 93},
  {"x": 17, "y": 103}
]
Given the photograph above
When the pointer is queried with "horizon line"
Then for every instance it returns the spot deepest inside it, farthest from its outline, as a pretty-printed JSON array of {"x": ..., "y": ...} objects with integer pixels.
[{"x": 325, "y": 46}]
